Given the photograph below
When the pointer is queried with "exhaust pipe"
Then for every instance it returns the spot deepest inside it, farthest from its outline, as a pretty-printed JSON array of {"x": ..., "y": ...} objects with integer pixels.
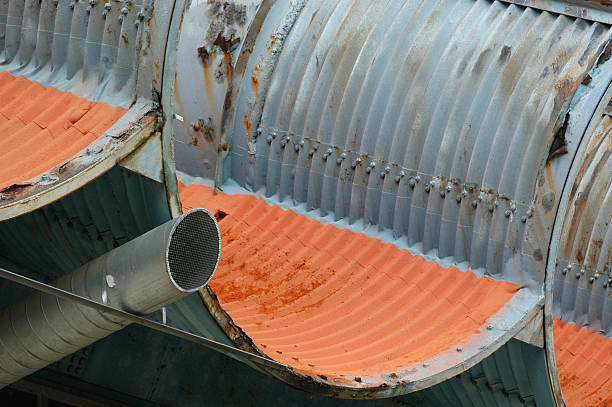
[{"x": 141, "y": 276}]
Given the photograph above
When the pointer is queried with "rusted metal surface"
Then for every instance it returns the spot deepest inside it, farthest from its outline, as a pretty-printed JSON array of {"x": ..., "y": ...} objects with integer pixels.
[{"x": 209, "y": 37}]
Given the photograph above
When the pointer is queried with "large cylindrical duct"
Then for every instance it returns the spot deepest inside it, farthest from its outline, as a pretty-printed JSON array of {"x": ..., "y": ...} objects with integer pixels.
[{"x": 141, "y": 276}]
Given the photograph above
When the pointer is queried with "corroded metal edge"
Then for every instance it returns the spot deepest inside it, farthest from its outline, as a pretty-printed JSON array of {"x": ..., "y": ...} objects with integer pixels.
[
  {"x": 132, "y": 130},
  {"x": 499, "y": 329}
]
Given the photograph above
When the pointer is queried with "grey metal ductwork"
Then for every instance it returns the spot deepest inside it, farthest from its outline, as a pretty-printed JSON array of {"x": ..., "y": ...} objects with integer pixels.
[{"x": 141, "y": 276}]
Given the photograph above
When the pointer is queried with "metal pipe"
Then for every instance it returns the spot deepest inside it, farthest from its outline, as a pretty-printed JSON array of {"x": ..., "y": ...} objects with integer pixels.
[{"x": 141, "y": 276}]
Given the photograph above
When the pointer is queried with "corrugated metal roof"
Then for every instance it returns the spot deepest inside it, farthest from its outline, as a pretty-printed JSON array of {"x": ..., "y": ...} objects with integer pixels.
[
  {"x": 584, "y": 361},
  {"x": 43, "y": 127},
  {"x": 332, "y": 302}
]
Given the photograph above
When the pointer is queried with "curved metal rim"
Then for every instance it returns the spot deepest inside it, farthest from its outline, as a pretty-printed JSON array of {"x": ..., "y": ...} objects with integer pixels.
[
  {"x": 171, "y": 234},
  {"x": 597, "y": 104}
]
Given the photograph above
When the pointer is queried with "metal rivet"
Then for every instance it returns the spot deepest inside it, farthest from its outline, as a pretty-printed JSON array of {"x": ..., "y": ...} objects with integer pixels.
[
  {"x": 311, "y": 153},
  {"x": 591, "y": 280},
  {"x": 412, "y": 182},
  {"x": 92, "y": 3},
  {"x": 475, "y": 203},
  {"x": 513, "y": 207},
  {"x": 383, "y": 174},
  {"x": 297, "y": 148},
  {"x": 387, "y": 169},
  {"x": 582, "y": 271},
  {"x": 491, "y": 208},
  {"x": 88, "y": 9},
  {"x": 302, "y": 142},
  {"x": 259, "y": 131},
  {"x": 425, "y": 365},
  {"x": 565, "y": 270},
  {"x": 464, "y": 193},
  {"x": 459, "y": 349},
  {"x": 373, "y": 164},
  {"x": 269, "y": 139},
  {"x": 72, "y": 4},
  {"x": 427, "y": 188},
  {"x": 124, "y": 10},
  {"x": 569, "y": 267},
  {"x": 107, "y": 6},
  {"x": 490, "y": 327},
  {"x": 324, "y": 157},
  {"x": 458, "y": 198},
  {"x": 273, "y": 134},
  {"x": 45, "y": 177},
  {"x": 529, "y": 213},
  {"x": 339, "y": 161},
  {"x": 417, "y": 178},
  {"x": 577, "y": 275},
  {"x": 449, "y": 188},
  {"x": 344, "y": 155},
  {"x": 596, "y": 275},
  {"x": 329, "y": 151},
  {"x": 368, "y": 170},
  {"x": 442, "y": 193},
  {"x": 605, "y": 284},
  {"x": 507, "y": 213},
  {"x": 524, "y": 219}
]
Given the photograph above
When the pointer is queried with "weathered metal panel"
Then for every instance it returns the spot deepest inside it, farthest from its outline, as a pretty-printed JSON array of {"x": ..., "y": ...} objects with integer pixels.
[
  {"x": 427, "y": 119},
  {"x": 102, "y": 50},
  {"x": 211, "y": 34},
  {"x": 584, "y": 259}
]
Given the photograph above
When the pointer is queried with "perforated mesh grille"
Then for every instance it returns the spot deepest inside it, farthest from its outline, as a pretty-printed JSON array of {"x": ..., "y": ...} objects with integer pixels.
[{"x": 194, "y": 250}]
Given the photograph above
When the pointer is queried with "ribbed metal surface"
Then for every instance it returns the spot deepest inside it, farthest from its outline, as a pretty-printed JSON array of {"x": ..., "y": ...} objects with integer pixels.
[
  {"x": 430, "y": 119},
  {"x": 42, "y": 128},
  {"x": 68, "y": 233},
  {"x": 583, "y": 276},
  {"x": 92, "y": 47},
  {"x": 584, "y": 362},
  {"x": 513, "y": 376}
]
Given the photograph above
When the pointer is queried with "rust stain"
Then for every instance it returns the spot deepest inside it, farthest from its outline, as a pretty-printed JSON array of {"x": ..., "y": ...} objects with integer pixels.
[
  {"x": 559, "y": 145},
  {"x": 297, "y": 287}
]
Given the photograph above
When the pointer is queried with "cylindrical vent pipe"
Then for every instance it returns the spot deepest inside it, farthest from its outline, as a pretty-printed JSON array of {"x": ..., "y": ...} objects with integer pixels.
[{"x": 141, "y": 276}]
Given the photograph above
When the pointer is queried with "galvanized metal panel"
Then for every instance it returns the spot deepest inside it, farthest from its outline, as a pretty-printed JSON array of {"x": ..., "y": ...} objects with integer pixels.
[
  {"x": 427, "y": 119},
  {"x": 97, "y": 49}
]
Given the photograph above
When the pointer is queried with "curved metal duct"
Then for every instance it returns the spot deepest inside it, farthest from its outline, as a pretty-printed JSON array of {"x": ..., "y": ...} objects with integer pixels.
[
  {"x": 141, "y": 276},
  {"x": 446, "y": 128}
]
